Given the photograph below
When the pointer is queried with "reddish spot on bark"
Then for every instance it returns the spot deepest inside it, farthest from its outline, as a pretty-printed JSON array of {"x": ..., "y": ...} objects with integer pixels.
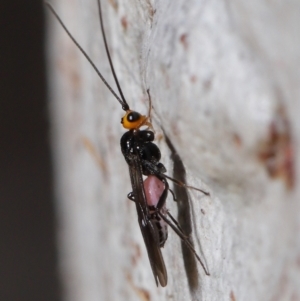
[
  {"x": 70, "y": 70},
  {"x": 207, "y": 84},
  {"x": 237, "y": 140},
  {"x": 137, "y": 254},
  {"x": 175, "y": 129},
  {"x": 183, "y": 40},
  {"x": 124, "y": 23},
  {"x": 159, "y": 137},
  {"x": 143, "y": 294},
  {"x": 193, "y": 78},
  {"x": 232, "y": 296},
  {"x": 277, "y": 151},
  {"x": 114, "y": 4},
  {"x": 90, "y": 147},
  {"x": 151, "y": 11}
]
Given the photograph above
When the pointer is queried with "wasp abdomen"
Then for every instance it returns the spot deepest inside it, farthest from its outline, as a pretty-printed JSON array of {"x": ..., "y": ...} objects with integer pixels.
[{"x": 154, "y": 189}]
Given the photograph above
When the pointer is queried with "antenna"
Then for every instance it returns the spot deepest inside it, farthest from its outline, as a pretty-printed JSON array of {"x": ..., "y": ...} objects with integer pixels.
[
  {"x": 122, "y": 101},
  {"x": 108, "y": 55}
]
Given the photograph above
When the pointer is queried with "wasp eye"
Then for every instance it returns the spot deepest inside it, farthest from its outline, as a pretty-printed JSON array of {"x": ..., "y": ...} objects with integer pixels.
[{"x": 133, "y": 116}]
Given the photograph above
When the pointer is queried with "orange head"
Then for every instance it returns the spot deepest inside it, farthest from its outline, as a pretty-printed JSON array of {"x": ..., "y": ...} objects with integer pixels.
[{"x": 133, "y": 120}]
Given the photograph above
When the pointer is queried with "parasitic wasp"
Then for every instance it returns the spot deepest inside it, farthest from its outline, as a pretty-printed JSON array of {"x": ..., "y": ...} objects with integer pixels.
[{"x": 143, "y": 159}]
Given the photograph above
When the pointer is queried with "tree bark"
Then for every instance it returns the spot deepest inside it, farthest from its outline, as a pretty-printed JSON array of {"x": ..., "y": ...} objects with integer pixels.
[{"x": 224, "y": 81}]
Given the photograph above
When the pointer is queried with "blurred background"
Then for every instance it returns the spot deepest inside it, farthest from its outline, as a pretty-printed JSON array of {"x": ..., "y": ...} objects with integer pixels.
[{"x": 28, "y": 262}]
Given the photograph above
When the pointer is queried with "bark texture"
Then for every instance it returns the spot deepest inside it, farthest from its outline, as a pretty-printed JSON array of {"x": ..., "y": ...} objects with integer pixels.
[{"x": 224, "y": 80}]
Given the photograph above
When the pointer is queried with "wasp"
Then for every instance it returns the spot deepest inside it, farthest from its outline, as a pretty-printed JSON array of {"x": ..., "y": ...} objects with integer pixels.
[{"x": 143, "y": 158}]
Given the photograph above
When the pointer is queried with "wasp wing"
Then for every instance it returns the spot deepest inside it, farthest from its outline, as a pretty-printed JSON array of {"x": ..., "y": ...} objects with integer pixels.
[
  {"x": 148, "y": 228},
  {"x": 154, "y": 253}
]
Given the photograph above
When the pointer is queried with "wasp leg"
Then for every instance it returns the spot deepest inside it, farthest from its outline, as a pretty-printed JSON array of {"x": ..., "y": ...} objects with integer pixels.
[
  {"x": 130, "y": 196},
  {"x": 181, "y": 184},
  {"x": 162, "y": 201},
  {"x": 173, "y": 194},
  {"x": 155, "y": 171},
  {"x": 184, "y": 239},
  {"x": 177, "y": 224}
]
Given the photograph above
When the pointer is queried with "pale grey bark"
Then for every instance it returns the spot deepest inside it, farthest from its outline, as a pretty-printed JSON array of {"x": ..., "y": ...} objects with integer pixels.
[{"x": 224, "y": 79}]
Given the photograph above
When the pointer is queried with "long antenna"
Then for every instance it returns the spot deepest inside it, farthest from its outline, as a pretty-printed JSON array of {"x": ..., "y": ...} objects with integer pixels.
[
  {"x": 108, "y": 55},
  {"x": 122, "y": 101}
]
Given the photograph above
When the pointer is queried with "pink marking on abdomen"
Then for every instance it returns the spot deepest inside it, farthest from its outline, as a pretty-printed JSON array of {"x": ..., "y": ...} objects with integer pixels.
[{"x": 154, "y": 188}]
